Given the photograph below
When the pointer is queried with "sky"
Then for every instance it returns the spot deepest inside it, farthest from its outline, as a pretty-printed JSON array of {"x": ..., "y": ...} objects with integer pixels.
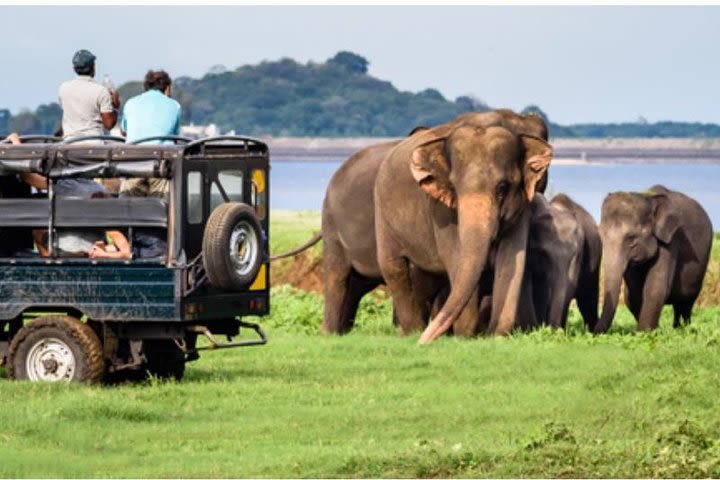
[{"x": 578, "y": 63}]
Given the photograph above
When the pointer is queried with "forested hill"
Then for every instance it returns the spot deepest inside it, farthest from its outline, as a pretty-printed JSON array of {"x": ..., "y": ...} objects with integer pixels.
[{"x": 337, "y": 98}]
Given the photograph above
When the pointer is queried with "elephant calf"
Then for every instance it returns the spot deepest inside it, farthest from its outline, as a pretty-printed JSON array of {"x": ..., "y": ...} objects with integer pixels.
[
  {"x": 562, "y": 263},
  {"x": 659, "y": 242},
  {"x": 588, "y": 283}
]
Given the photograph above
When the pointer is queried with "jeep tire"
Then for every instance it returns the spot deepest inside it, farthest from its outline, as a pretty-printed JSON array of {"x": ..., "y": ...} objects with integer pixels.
[
  {"x": 232, "y": 246},
  {"x": 56, "y": 349}
]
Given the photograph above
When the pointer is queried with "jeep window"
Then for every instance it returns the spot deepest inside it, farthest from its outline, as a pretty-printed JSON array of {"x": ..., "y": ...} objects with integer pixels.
[
  {"x": 194, "y": 197},
  {"x": 227, "y": 188}
]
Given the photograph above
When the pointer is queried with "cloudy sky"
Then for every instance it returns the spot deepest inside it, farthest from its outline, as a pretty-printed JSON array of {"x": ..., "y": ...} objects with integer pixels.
[{"x": 578, "y": 63}]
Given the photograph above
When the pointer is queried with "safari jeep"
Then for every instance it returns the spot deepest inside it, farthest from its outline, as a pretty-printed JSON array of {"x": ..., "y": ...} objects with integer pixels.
[{"x": 75, "y": 318}]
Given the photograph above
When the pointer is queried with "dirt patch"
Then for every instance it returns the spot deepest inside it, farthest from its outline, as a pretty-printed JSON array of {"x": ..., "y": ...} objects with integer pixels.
[{"x": 302, "y": 271}]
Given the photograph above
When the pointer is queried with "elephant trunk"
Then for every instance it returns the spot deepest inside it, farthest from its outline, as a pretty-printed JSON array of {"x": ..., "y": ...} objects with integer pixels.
[
  {"x": 477, "y": 226},
  {"x": 613, "y": 270}
]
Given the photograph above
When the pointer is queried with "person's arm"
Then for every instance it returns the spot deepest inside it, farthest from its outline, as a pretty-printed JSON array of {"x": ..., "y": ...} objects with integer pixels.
[
  {"x": 109, "y": 103},
  {"x": 14, "y": 138},
  {"x": 108, "y": 119},
  {"x": 176, "y": 129},
  {"x": 120, "y": 242},
  {"x": 34, "y": 180},
  {"x": 40, "y": 238}
]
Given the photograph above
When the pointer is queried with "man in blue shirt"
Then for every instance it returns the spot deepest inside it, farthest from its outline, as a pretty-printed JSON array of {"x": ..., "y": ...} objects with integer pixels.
[{"x": 152, "y": 113}]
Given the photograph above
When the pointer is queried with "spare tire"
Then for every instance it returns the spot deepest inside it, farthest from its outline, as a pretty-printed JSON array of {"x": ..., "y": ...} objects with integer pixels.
[{"x": 232, "y": 246}]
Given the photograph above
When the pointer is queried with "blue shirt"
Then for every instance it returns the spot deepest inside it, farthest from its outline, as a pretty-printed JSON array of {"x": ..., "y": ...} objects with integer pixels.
[{"x": 150, "y": 114}]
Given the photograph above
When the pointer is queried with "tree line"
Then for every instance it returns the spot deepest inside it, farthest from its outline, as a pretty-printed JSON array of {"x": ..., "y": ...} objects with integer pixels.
[{"x": 336, "y": 98}]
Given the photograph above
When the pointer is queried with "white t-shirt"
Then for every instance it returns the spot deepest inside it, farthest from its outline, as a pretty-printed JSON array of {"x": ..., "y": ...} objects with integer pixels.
[{"x": 82, "y": 100}]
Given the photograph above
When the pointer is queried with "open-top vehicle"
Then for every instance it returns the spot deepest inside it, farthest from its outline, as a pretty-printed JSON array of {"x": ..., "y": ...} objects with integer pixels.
[{"x": 77, "y": 318}]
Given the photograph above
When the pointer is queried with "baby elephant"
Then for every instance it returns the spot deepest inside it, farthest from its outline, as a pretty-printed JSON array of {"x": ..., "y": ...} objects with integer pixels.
[
  {"x": 658, "y": 241},
  {"x": 563, "y": 261}
]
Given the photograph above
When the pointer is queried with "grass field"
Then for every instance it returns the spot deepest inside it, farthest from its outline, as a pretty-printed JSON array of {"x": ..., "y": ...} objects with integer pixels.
[{"x": 372, "y": 404}]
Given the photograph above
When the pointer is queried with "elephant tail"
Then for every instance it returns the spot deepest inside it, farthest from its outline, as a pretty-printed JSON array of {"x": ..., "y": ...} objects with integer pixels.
[{"x": 316, "y": 238}]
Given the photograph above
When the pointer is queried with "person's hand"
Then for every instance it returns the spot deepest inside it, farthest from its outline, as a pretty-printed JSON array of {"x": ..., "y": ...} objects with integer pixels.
[
  {"x": 97, "y": 250},
  {"x": 13, "y": 138},
  {"x": 115, "y": 97}
]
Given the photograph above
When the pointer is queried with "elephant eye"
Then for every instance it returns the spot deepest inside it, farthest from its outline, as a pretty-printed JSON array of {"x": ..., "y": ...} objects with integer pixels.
[{"x": 502, "y": 189}]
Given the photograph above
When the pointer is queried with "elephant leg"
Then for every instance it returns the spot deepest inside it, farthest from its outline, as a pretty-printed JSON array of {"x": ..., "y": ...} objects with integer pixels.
[
  {"x": 336, "y": 278},
  {"x": 634, "y": 286},
  {"x": 655, "y": 290},
  {"x": 683, "y": 311},
  {"x": 468, "y": 322},
  {"x": 587, "y": 297},
  {"x": 509, "y": 273},
  {"x": 485, "y": 309},
  {"x": 527, "y": 316},
  {"x": 408, "y": 308},
  {"x": 558, "y": 299},
  {"x": 427, "y": 288}
]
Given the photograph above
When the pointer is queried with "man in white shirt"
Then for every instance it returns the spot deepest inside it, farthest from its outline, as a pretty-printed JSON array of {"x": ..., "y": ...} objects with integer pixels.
[{"x": 88, "y": 108}]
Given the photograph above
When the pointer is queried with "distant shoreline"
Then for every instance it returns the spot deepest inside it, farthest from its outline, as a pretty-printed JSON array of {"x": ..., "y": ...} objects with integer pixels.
[{"x": 567, "y": 151}]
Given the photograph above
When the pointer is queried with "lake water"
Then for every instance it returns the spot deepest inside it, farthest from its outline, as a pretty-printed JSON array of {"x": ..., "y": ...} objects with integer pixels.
[{"x": 301, "y": 185}]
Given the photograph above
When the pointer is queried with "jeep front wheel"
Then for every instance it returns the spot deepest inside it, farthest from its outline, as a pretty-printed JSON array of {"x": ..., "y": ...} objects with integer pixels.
[
  {"x": 56, "y": 349},
  {"x": 232, "y": 246}
]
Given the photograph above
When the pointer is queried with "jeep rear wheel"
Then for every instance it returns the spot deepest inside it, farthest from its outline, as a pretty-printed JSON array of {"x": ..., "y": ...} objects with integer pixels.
[
  {"x": 232, "y": 246},
  {"x": 56, "y": 349}
]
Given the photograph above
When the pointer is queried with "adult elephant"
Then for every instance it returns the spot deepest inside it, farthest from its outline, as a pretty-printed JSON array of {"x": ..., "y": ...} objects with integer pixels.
[
  {"x": 588, "y": 283},
  {"x": 658, "y": 241},
  {"x": 350, "y": 266},
  {"x": 443, "y": 198}
]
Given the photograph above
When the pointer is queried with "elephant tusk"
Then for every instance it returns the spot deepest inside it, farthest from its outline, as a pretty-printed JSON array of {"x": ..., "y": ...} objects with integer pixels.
[{"x": 437, "y": 327}]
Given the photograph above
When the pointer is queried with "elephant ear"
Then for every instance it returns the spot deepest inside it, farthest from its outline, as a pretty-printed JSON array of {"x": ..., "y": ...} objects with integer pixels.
[
  {"x": 538, "y": 155},
  {"x": 666, "y": 220},
  {"x": 430, "y": 167}
]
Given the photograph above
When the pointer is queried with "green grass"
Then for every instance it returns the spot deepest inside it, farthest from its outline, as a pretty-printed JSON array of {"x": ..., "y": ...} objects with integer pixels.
[
  {"x": 291, "y": 229},
  {"x": 374, "y": 404},
  {"x": 370, "y": 404}
]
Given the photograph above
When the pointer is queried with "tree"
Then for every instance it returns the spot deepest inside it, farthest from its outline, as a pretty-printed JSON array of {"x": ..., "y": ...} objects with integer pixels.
[
  {"x": 217, "y": 69},
  {"x": 5, "y": 116},
  {"x": 535, "y": 110},
  {"x": 351, "y": 62}
]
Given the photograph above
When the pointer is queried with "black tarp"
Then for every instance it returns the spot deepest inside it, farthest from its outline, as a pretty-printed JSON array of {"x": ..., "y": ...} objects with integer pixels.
[{"x": 96, "y": 212}]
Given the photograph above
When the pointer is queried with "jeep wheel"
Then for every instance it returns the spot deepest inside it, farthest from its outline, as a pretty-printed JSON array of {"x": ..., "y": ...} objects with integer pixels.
[
  {"x": 232, "y": 246},
  {"x": 56, "y": 349}
]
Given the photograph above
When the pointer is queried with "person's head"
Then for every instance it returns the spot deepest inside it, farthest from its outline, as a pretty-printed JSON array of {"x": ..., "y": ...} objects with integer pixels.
[
  {"x": 158, "y": 80},
  {"x": 84, "y": 63}
]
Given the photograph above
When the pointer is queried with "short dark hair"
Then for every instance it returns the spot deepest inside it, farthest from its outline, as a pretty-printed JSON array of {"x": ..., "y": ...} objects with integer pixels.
[
  {"x": 83, "y": 62},
  {"x": 157, "y": 79}
]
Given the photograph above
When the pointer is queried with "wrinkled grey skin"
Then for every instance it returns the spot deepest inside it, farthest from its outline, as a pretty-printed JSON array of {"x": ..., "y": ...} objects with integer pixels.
[
  {"x": 553, "y": 262},
  {"x": 350, "y": 266},
  {"x": 659, "y": 243},
  {"x": 563, "y": 263},
  {"x": 443, "y": 198},
  {"x": 588, "y": 282}
]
